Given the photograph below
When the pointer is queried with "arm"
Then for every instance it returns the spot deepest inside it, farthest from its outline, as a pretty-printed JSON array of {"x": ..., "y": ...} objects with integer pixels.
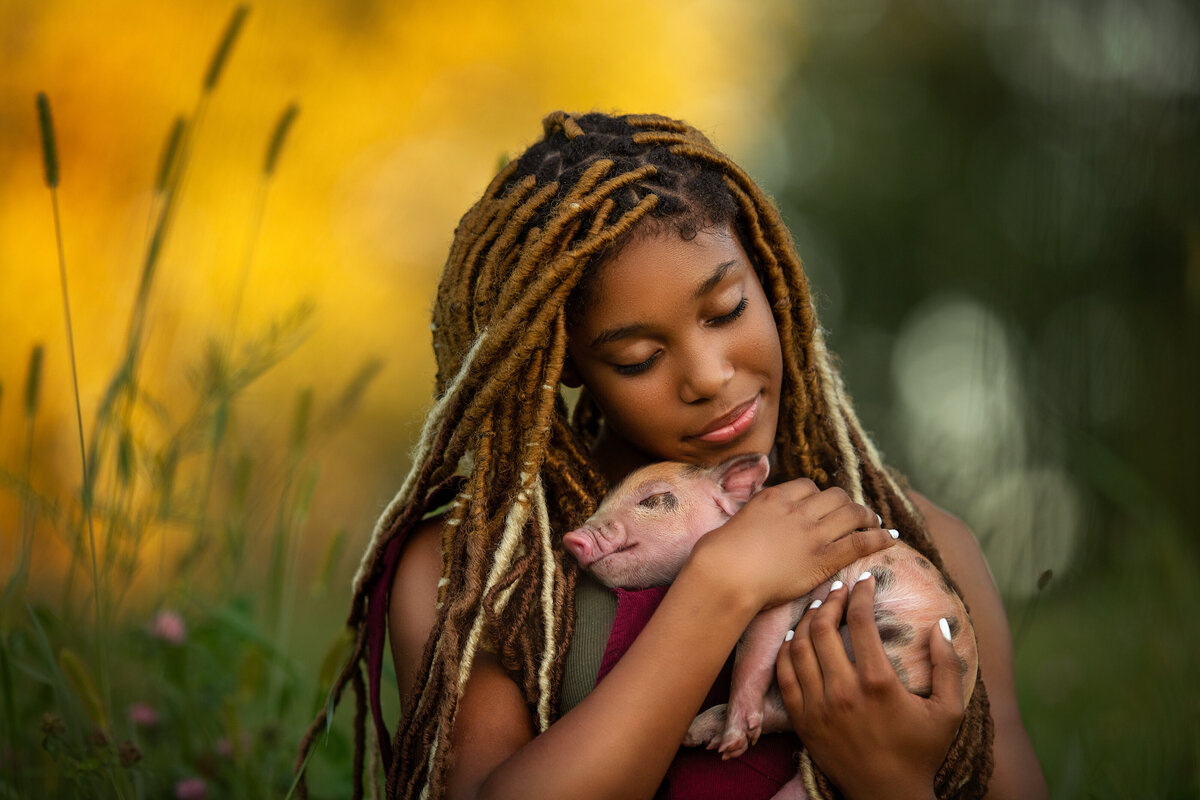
[
  {"x": 620, "y": 740},
  {"x": 1017, "y": 772}
]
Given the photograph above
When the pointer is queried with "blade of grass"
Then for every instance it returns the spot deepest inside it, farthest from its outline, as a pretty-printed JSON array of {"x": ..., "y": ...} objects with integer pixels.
[{"x": 50, "y": 158}]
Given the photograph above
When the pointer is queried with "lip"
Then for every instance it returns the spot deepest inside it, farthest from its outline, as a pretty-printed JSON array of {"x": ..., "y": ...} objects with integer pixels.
[{"x": 732, "y": 425}]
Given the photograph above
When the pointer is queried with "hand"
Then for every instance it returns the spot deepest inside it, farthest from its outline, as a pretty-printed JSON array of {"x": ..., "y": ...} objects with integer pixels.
[
  {"x": 868, "y": 734},
  {"x": 788, "y": 540}
]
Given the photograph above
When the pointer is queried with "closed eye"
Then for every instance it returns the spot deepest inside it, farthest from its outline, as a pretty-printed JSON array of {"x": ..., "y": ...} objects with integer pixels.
[
  {"x": 635, "y": 369},
  {"x": 660, "y": 500},
  {"x": 737, "y": 311}
]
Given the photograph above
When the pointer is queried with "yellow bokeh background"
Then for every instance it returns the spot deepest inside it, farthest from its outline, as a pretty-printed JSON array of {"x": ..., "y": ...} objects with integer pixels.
[{"x": 405, "y": 111}]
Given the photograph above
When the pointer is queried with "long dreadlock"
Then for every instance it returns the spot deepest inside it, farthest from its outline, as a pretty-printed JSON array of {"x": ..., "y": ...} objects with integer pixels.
[{"x": 499, "y": 336}]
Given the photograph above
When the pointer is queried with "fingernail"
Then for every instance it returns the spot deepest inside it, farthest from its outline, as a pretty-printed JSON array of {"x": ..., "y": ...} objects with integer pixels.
[
  {"x": 945, "y": 626},
  {"x": 895, "y": 533},
  {"x": 789, "y": 636},
  {"x": 880, "y": 520},
  {"x": 833, "y": 587},
  {"x": 815, "y": 604},
  {"x": 865, "y": 575}
]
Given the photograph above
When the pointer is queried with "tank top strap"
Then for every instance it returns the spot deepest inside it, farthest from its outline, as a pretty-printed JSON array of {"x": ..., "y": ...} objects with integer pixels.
[{"x": 695, "y": 772}]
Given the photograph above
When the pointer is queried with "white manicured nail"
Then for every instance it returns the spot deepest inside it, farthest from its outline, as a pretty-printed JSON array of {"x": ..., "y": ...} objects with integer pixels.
[
  {"x": 895, "y": 533},
  {"x": 815, "y": 604},
  {"x": 790, "y": 635},
  {"x": 880, "y": 520},
  {"x": 945, "y": 626},
  {"x": 833, "y": 587},
  {"x": 865, "y": 575}
]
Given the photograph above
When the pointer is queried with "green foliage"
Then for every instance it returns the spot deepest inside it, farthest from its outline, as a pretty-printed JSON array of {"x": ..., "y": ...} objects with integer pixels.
[
  {"x": 190, "y": 681},
  {"x": 1035, "y": 163}
]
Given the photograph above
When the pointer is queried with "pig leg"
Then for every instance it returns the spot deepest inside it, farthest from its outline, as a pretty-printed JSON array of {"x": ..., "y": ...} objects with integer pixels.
[
  {"x": 753, "y": 672},
  {"x": 707, "y": 728},
  {"x": 709, "y": 725}
]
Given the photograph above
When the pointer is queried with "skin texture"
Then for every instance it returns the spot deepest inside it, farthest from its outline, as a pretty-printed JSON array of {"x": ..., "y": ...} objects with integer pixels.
[
  {"x": 643, "y": 531},
  {"x": 619, "y": 741},
  {"x": 712, "y": 351}
]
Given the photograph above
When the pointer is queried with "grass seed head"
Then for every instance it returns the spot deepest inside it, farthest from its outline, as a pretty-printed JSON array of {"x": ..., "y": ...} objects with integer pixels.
[
  {"x": 49, "y": 148},
  {"x": 221, "y": 54},
  {"x": 33, "y": 381},
  {"x": 279, "y": 137},
  {"x": 166, "y": 165}
]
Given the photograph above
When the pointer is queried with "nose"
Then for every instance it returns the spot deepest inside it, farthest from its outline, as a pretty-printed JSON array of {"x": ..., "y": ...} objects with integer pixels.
[{"x": 704, "y": 373}]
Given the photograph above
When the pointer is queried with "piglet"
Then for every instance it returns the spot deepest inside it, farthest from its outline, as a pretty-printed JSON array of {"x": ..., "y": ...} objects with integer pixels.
[{"x": 645, "y": 529}]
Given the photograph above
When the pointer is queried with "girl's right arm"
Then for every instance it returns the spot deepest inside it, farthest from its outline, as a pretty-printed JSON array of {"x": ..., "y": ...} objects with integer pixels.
[{"x": 619, "y": 741}]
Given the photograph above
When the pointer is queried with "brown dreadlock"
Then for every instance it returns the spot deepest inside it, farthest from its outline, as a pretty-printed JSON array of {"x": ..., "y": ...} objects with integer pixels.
[{"x": 499, "y": 337}]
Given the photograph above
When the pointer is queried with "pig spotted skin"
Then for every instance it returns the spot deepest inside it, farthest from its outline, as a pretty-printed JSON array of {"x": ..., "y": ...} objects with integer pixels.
[{"x": 644, "y": 530}]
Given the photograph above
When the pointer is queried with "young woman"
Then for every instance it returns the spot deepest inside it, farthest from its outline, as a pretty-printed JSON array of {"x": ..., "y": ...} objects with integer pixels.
[{"x": 628, "y": 257}]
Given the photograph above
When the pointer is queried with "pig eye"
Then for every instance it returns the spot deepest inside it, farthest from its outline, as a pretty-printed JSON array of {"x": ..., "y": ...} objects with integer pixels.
[{"x": 660, "y": 500}]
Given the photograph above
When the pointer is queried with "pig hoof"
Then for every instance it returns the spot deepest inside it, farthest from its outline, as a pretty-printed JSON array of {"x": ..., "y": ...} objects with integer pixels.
[
  {"x": 733, "y": 745},
  {"x": 706, "y": 728},
  {"x": 754, "y": 727}
]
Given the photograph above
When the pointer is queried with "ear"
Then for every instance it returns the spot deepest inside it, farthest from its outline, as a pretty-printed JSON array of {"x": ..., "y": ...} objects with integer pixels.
[
  {"x": 570, "y": 376},
  {"x": 741, "y": 476}
]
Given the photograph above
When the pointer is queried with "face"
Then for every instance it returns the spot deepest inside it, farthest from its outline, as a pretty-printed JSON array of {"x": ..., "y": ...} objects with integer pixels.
[{"x": 678, "y": 347}]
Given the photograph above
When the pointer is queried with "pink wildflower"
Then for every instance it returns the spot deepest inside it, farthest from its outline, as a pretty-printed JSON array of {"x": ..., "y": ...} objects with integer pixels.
[
  {"x": 225, "y": 746},
  {"x": 169, "y": 626},
  {"x": 191, "y": 789},
  {"x": 143, "y": 715}
]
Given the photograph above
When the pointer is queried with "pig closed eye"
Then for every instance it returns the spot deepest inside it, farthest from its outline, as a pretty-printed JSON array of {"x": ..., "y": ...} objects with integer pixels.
[{"x": 663, "y": 500}]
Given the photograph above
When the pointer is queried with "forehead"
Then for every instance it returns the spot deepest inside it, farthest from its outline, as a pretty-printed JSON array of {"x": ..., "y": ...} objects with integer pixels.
[{"x": 662, "y": 265}]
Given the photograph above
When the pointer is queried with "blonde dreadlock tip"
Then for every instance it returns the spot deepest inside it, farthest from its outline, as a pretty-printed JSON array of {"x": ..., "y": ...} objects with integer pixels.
[{"x": 443, "y": 582}]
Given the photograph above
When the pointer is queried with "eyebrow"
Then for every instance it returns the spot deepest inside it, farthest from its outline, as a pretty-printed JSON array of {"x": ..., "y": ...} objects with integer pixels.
[
  {"x": 706, "y": 286},
  {"x": 713, "y": 280}
]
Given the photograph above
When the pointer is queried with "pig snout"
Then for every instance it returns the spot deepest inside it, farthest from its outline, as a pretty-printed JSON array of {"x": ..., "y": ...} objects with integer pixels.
[
  {"x": 594, "y": 541},
  {"x": 579, "y": 544}
]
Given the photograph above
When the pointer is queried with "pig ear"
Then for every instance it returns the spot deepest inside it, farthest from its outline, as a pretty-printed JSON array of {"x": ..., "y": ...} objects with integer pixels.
[{"x": 741, "y": 476}]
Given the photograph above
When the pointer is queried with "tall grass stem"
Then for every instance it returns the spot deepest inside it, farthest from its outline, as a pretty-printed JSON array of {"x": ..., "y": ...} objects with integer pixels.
[{"x": 50, "y": 156}]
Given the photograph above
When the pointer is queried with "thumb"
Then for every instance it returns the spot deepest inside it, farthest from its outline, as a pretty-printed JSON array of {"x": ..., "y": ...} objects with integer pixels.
[{"x": 947, "y": 668}]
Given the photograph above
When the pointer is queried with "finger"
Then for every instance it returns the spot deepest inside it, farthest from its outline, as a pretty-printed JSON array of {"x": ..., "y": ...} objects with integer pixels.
[
  {"x": 827, "y": 501},
  {"x": 804, "y": 658},
  {"x": 858, "y": 544},
  {"x": 869, "y": 656},
  {"x": 827, "y": 637},
  {"x": 948, "y": 668},
  {"x": 796, "y": 489},
  {"x": 789, "y": 682},
  {"x": 850, "y": 517}
]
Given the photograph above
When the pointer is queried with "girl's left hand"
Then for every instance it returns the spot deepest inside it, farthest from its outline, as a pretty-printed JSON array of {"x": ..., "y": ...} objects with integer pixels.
[{"x": 868, "y": 734}]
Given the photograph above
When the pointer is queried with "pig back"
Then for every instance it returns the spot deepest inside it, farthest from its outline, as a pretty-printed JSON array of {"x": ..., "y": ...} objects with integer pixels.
[{"x": 911, "y": 595}]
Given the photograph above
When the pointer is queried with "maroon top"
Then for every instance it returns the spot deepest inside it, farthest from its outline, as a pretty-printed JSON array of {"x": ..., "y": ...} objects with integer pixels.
[{"x": 695, "y": 773}]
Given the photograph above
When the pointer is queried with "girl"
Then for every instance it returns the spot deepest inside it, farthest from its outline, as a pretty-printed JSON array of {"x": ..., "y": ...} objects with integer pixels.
[{"x": 628, "y": 257}]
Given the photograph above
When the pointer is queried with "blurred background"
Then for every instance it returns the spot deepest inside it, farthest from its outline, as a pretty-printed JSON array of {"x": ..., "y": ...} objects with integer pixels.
[{"x": 997, "y": 204}]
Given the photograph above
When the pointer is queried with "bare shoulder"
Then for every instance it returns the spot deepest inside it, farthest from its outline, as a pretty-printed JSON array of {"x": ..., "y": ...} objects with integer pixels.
[
  {"x": 953, "y": 539},
  {"x": 492, "y": 721},
  {"x": 412, "y": 609},
  {"x": 1017, "y": 772}
]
